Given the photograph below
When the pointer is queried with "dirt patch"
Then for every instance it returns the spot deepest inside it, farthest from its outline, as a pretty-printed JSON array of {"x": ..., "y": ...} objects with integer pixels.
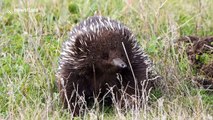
[{"x": 200, "y": 54}]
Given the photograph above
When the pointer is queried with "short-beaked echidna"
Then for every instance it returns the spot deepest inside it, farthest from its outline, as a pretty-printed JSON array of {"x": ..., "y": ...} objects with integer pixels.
[{"x": 99, "y": 54}]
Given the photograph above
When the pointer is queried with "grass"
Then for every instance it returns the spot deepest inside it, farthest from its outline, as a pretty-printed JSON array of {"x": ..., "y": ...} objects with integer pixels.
[{"x": 31, "y": 34}]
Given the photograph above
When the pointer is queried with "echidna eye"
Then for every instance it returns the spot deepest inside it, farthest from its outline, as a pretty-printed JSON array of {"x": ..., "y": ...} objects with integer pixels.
[{"x": 105, "y": 56}]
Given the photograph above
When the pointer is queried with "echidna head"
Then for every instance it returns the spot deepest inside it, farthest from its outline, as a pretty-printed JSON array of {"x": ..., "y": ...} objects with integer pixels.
[{"x": 111, "y": 61}]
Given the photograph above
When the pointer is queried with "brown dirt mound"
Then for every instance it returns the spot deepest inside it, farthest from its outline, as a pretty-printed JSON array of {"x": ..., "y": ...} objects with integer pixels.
[{"x": 200, "y": 54}]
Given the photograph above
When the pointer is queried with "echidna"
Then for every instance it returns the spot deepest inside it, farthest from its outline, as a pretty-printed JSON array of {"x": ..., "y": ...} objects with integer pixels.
[{"x": 99, "y": 54}]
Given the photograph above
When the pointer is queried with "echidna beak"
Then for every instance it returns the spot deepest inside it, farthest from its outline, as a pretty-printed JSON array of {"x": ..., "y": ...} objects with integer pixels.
[{"x": 119, "y": 63}]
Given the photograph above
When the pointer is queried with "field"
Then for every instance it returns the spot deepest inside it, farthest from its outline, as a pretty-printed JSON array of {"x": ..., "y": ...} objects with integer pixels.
[{"x": 32, "y": 31}]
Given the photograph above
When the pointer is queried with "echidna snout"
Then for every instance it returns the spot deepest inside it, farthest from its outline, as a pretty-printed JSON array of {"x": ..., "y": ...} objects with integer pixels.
[{"x": 119, "y": 63}]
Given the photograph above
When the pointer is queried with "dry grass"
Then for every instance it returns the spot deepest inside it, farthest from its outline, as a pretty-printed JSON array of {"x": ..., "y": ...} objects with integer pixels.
[{"x": 31, "y": 33}]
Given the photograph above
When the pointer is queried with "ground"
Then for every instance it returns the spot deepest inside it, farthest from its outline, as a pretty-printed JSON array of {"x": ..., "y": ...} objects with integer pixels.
[{"x": 31, "y": 34}]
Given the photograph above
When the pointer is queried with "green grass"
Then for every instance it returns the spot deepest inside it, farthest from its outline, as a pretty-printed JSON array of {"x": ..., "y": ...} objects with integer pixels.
[{"x": 31, "y": 34}]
